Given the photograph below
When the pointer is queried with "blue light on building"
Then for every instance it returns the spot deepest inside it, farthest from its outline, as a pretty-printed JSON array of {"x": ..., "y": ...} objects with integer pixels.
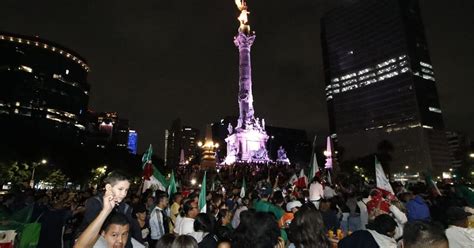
[{"x": 132, "y": 141}]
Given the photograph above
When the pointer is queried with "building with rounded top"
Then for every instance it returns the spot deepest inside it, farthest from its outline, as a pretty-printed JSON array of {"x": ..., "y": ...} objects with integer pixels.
[{"x": 43, "y": 91}]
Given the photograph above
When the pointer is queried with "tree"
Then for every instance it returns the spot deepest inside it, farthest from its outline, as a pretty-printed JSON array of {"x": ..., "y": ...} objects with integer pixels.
[
  {"x": 56, "y": 178},
  {"x": 14, "y": 172}
]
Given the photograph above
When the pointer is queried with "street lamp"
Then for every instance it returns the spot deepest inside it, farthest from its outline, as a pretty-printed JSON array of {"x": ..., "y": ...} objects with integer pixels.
[
  {"x": 35, "y": 164},
  {"x": 407, "y": 167},
  {"x": 471, "y": 155}
]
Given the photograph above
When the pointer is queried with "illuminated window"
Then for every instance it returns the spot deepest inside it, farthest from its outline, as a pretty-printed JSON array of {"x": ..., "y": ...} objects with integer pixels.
[
  {"x": 435, "y": 110},
  {"x": 426, "y": 65},
  {"x": 428, "y": 77},
  {"x": 427, "y": 71},
  {"x": 26, "y": 68}
]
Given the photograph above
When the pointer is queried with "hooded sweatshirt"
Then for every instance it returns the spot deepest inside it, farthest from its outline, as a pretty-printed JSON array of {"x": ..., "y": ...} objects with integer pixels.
[
  {"x": 417, "y": 209},
  {"x": 383, "y": 240}
]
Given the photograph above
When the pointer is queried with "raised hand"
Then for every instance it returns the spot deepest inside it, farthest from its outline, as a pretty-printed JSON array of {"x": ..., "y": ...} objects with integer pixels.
[{"x": 109, "y": 202}]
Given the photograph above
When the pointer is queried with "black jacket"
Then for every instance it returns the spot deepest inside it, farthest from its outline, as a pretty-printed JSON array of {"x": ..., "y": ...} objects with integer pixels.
[{"x": 358, "y": 239}]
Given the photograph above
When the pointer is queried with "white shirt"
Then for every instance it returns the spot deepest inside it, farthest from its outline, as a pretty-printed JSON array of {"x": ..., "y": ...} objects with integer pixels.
[
  {"x": 401, "y": 218},
  {"x": 364, "y": 216},
  {"x": 102, "y": 243},
  {"x": 460, "y": 237},
  {"x": 184, "y": 226},
  {"x": 316, "y": 191},
  {"x": 198, "y": 236},
  {"x": 329, "y": 192},
  {"x": 156, "y": 224},
  {"x": 236, "y": 218}
]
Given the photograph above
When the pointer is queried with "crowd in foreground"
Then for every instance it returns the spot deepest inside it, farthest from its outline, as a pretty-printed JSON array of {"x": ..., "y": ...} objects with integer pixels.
[{"x": 267, "y": 215}]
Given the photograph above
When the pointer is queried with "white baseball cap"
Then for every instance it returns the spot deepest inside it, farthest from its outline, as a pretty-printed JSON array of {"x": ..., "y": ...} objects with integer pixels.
[{"x": 293, "y": 204}]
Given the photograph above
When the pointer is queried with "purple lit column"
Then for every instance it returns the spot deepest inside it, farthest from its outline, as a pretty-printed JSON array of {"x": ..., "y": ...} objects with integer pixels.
[{"x": 244, "y": 43}]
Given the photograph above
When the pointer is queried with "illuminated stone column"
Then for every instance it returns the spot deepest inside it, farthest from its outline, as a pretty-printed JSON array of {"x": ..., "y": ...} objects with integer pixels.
[{"x": 246, "y": 116}]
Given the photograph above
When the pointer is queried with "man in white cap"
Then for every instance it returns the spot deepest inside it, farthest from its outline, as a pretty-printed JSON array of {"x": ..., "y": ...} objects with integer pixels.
[{"x": 291, "y": 208}]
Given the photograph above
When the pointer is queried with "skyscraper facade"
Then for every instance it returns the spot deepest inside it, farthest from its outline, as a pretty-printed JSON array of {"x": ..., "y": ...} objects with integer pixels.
[
  {"x": 180, "y": 139},
  {"x": 44, "y": 91},
  {"x": 381, "y": 87}
]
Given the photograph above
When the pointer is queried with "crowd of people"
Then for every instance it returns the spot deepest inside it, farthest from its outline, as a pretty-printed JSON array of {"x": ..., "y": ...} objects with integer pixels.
[{"x": 271, "y": 213}]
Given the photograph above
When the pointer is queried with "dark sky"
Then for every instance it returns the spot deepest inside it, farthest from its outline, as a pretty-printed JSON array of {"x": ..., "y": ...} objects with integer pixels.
[{"x": 153, "y": 60}]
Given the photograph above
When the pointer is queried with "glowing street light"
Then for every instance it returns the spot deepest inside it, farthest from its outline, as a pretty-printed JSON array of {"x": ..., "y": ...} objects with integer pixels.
[
  {"x": 199, "y": 143},
  {"x": 407, "y": 167},
  {"x": 193, "y": 181},
  {"x": 471, "y": 155},
  {"x": 36, "y": 164}
]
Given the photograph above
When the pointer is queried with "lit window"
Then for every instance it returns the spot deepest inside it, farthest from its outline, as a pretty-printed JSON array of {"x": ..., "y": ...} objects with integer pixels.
[
  {"x": 427, "y": 71},
  {"x": 436, "y": 110},
  {"x": 426, "y": 65},
  {"x": 26, "y": 68},
  {"x": 428, "y": 77}
]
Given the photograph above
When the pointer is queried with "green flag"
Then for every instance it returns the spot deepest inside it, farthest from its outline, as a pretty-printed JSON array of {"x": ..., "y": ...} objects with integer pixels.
[
  {"x": 172, "y": 187},
  {"x": 202, "y": 195},
  {"x": 313, "y": 164},
  {"x": 243, "y": 188},
  {"x": 431, "y": 183}
]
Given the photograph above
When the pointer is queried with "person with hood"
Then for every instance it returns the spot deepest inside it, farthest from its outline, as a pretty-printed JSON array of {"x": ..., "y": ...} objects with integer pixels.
[
  {"x": 417, "y": 209},
  {"x": 379, "y": 234}
]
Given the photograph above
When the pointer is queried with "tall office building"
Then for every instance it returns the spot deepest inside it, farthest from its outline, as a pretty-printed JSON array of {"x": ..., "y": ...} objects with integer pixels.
[
  {"x": 179, "y": 138},
  {"x": 189, "y": 140},
  {"x": 106, "y": 129},
  {"x": 380, "y": 85},
  {"x": 44, "y": 92},
  {"x": 132, "y": 141}
]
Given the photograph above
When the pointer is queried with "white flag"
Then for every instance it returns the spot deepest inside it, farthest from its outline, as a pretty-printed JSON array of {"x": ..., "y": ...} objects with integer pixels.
[{"x": 381, "y": 179}]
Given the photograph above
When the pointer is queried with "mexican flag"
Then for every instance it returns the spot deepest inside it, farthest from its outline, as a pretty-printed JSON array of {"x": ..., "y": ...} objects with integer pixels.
[
  {"x": 381, "y": 179},
  {"x": 302, "y": 180},
  {"x": 152, "y": 177},
  {"x": 243, "y": 188},
  {"x": 202, "y": 195}
]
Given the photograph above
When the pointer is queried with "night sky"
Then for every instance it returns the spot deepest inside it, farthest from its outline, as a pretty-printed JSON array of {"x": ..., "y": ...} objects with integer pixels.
[{"x": 153, "y": 60}]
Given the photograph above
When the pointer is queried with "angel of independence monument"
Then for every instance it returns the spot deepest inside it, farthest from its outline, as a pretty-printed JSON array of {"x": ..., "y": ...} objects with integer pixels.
[{"x": 246, "y": 143}]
